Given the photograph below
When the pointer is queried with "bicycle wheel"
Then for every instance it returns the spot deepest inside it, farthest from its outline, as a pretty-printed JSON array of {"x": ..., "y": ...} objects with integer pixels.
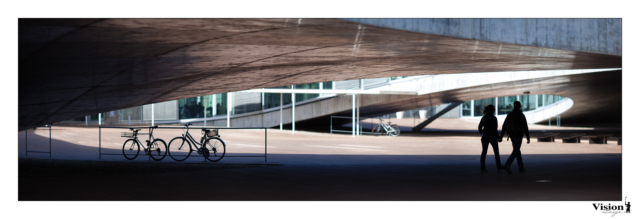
[
  {"x": 377, "y": 130},
  {"x": 130, "y": 149},
  {"x": 179, "y": 148},
  {"x": 158, "y": 149},
  {"x": 216, "y": 149},
  {"x": 395, "y": 131}
]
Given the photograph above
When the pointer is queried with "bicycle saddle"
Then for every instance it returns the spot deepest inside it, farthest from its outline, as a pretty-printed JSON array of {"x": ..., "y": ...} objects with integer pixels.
[
  {"x": 188, "y": 124},
  {"x": 155, "y": 126},
  {"x": 133, "y": 129}
]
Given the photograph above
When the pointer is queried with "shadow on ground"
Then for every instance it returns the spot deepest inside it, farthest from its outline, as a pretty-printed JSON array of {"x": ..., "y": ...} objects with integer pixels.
[{"x": 548, "y": 177}]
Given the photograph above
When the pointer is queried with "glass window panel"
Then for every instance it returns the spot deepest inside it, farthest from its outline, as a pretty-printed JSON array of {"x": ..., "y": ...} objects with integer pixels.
[
  {"x": 548, "y": 100},
  {"x": 246, "y": 102},
  {"x": 191, "y": 108},
  {"x": 301, "y": 97},
  {"x": 327, "y": 85},
  {"x": 528, "y": 102},
  {"x": 505, "y": 105},
  {"x": 540, "y": 100},
  {"x": 221, "y": 104},
  {"x": 466, "y": 108},
  {"x": 480, "y": 104}
]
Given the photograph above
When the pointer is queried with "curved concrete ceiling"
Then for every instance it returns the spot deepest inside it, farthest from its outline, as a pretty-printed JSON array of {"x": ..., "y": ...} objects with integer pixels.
[{"x": 75, "y": 67}]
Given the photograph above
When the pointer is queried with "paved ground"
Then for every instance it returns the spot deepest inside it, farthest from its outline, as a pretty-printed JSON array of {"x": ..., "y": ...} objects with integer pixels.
[{"x": 315, "y": 166}]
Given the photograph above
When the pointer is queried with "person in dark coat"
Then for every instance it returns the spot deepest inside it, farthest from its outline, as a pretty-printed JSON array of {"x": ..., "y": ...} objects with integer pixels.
[
  {"x": 516, "y": 126},
  {"x": 488, "y": 128}
]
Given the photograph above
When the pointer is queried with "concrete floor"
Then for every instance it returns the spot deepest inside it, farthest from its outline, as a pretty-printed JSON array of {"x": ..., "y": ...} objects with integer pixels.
[{"x": 316, "y": 166}]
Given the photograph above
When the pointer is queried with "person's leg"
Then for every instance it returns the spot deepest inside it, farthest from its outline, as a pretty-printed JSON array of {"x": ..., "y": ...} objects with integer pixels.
[
  {"x": 496, "y": 152},
  {"x": 514, "y": 153},
  {"x": 485, "y": 146},
  {"x": 516, "y": 149}
]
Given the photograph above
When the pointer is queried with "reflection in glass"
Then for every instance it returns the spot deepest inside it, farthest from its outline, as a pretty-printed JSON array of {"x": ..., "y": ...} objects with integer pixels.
[
  {"x": 505, "y": 105},
  {"x": 273, "y": 99},
  {"x": 327, "y": 85},
  {"x": 478, "y": 105},
  {"x": 541, "y": 100},
  {"x": 191, "y": 108},
  {"x": 301, "y": 97},
  {"x": 528, "y": 102},
  {"x": 221, "y": 104},
  {"x": 466, "y": 108}
]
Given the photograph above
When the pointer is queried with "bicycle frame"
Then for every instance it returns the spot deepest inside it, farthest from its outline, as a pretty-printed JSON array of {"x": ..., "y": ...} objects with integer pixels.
[
  {"x": 151, "y": 139},
  {"x": 190, "y": 138}
]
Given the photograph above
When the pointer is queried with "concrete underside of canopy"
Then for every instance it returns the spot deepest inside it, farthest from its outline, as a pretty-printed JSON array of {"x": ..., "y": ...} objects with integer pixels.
[{"x": 75, "y": 67}]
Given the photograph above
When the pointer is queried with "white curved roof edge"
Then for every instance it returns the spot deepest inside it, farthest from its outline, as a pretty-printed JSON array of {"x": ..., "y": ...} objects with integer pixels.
[{"x": 444, "y": 82}]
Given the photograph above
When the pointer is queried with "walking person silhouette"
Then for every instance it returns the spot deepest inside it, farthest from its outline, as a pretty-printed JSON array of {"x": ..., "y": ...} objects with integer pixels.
[
  {"x": 516, "y": 126},
  {"x": 489, "y": 136}
]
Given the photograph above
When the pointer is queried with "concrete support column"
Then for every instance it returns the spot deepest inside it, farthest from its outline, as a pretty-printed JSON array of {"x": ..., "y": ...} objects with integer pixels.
[
  {"x": 86, "y": 121},
  {"x": 495, "y": 112},
  {"x": 152, "y": 115},
  {"x": 472, "y": 107},
  {"x": 353, "y": 115},
  {"x": 280, "y": 111},
  {"x": 204, "y": 103},
  {"x": 99, "y": 119},
  {"x": 358, "y": 115},
  {"x": 214, "y": 105},
  {"x": 228, "y": 110}
]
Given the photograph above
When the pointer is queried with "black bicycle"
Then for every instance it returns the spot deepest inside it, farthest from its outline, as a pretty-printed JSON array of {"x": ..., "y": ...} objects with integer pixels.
[
  {"x": 210, "y": 145},
  {"x": 156, "y": 148}
]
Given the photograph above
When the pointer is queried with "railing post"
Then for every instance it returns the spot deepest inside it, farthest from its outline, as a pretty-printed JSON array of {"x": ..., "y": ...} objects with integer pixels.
[
  {"x": 280, "y": 111},
  {"x": 49, "y": 141},
  {"x": 293, "y": 113},
  {"x": 353, "y": 115}
]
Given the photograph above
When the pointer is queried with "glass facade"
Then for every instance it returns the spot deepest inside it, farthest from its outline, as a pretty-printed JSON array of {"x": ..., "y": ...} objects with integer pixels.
[
  {"x": 505, "y": 104},
  {"x": 216, "y": 105}
]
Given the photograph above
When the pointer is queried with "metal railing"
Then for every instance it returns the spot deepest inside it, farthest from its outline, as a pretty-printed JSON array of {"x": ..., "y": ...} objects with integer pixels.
[
  {"x": 100, "y": 138},
  {"x": 26, "y": 143}
]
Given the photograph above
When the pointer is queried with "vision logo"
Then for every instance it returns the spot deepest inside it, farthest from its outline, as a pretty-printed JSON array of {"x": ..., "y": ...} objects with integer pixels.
[{"x": 613, "y": 209}]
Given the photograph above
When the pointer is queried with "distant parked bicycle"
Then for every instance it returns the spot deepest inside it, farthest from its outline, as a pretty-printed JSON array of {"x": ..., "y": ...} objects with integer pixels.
[
  {"x": 386, "y": 129},
  {"x": 214, "y": 148},
  {"x": 156, "y": 147}
]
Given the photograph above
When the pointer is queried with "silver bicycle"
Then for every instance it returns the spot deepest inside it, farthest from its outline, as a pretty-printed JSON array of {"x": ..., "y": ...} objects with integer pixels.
[
  {"x": 386, "y": 129},
  {"x": 210, "y": 145}
]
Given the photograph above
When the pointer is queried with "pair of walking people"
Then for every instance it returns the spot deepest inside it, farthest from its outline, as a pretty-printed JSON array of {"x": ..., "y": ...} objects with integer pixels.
[{"x": 515, "y": 125}]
